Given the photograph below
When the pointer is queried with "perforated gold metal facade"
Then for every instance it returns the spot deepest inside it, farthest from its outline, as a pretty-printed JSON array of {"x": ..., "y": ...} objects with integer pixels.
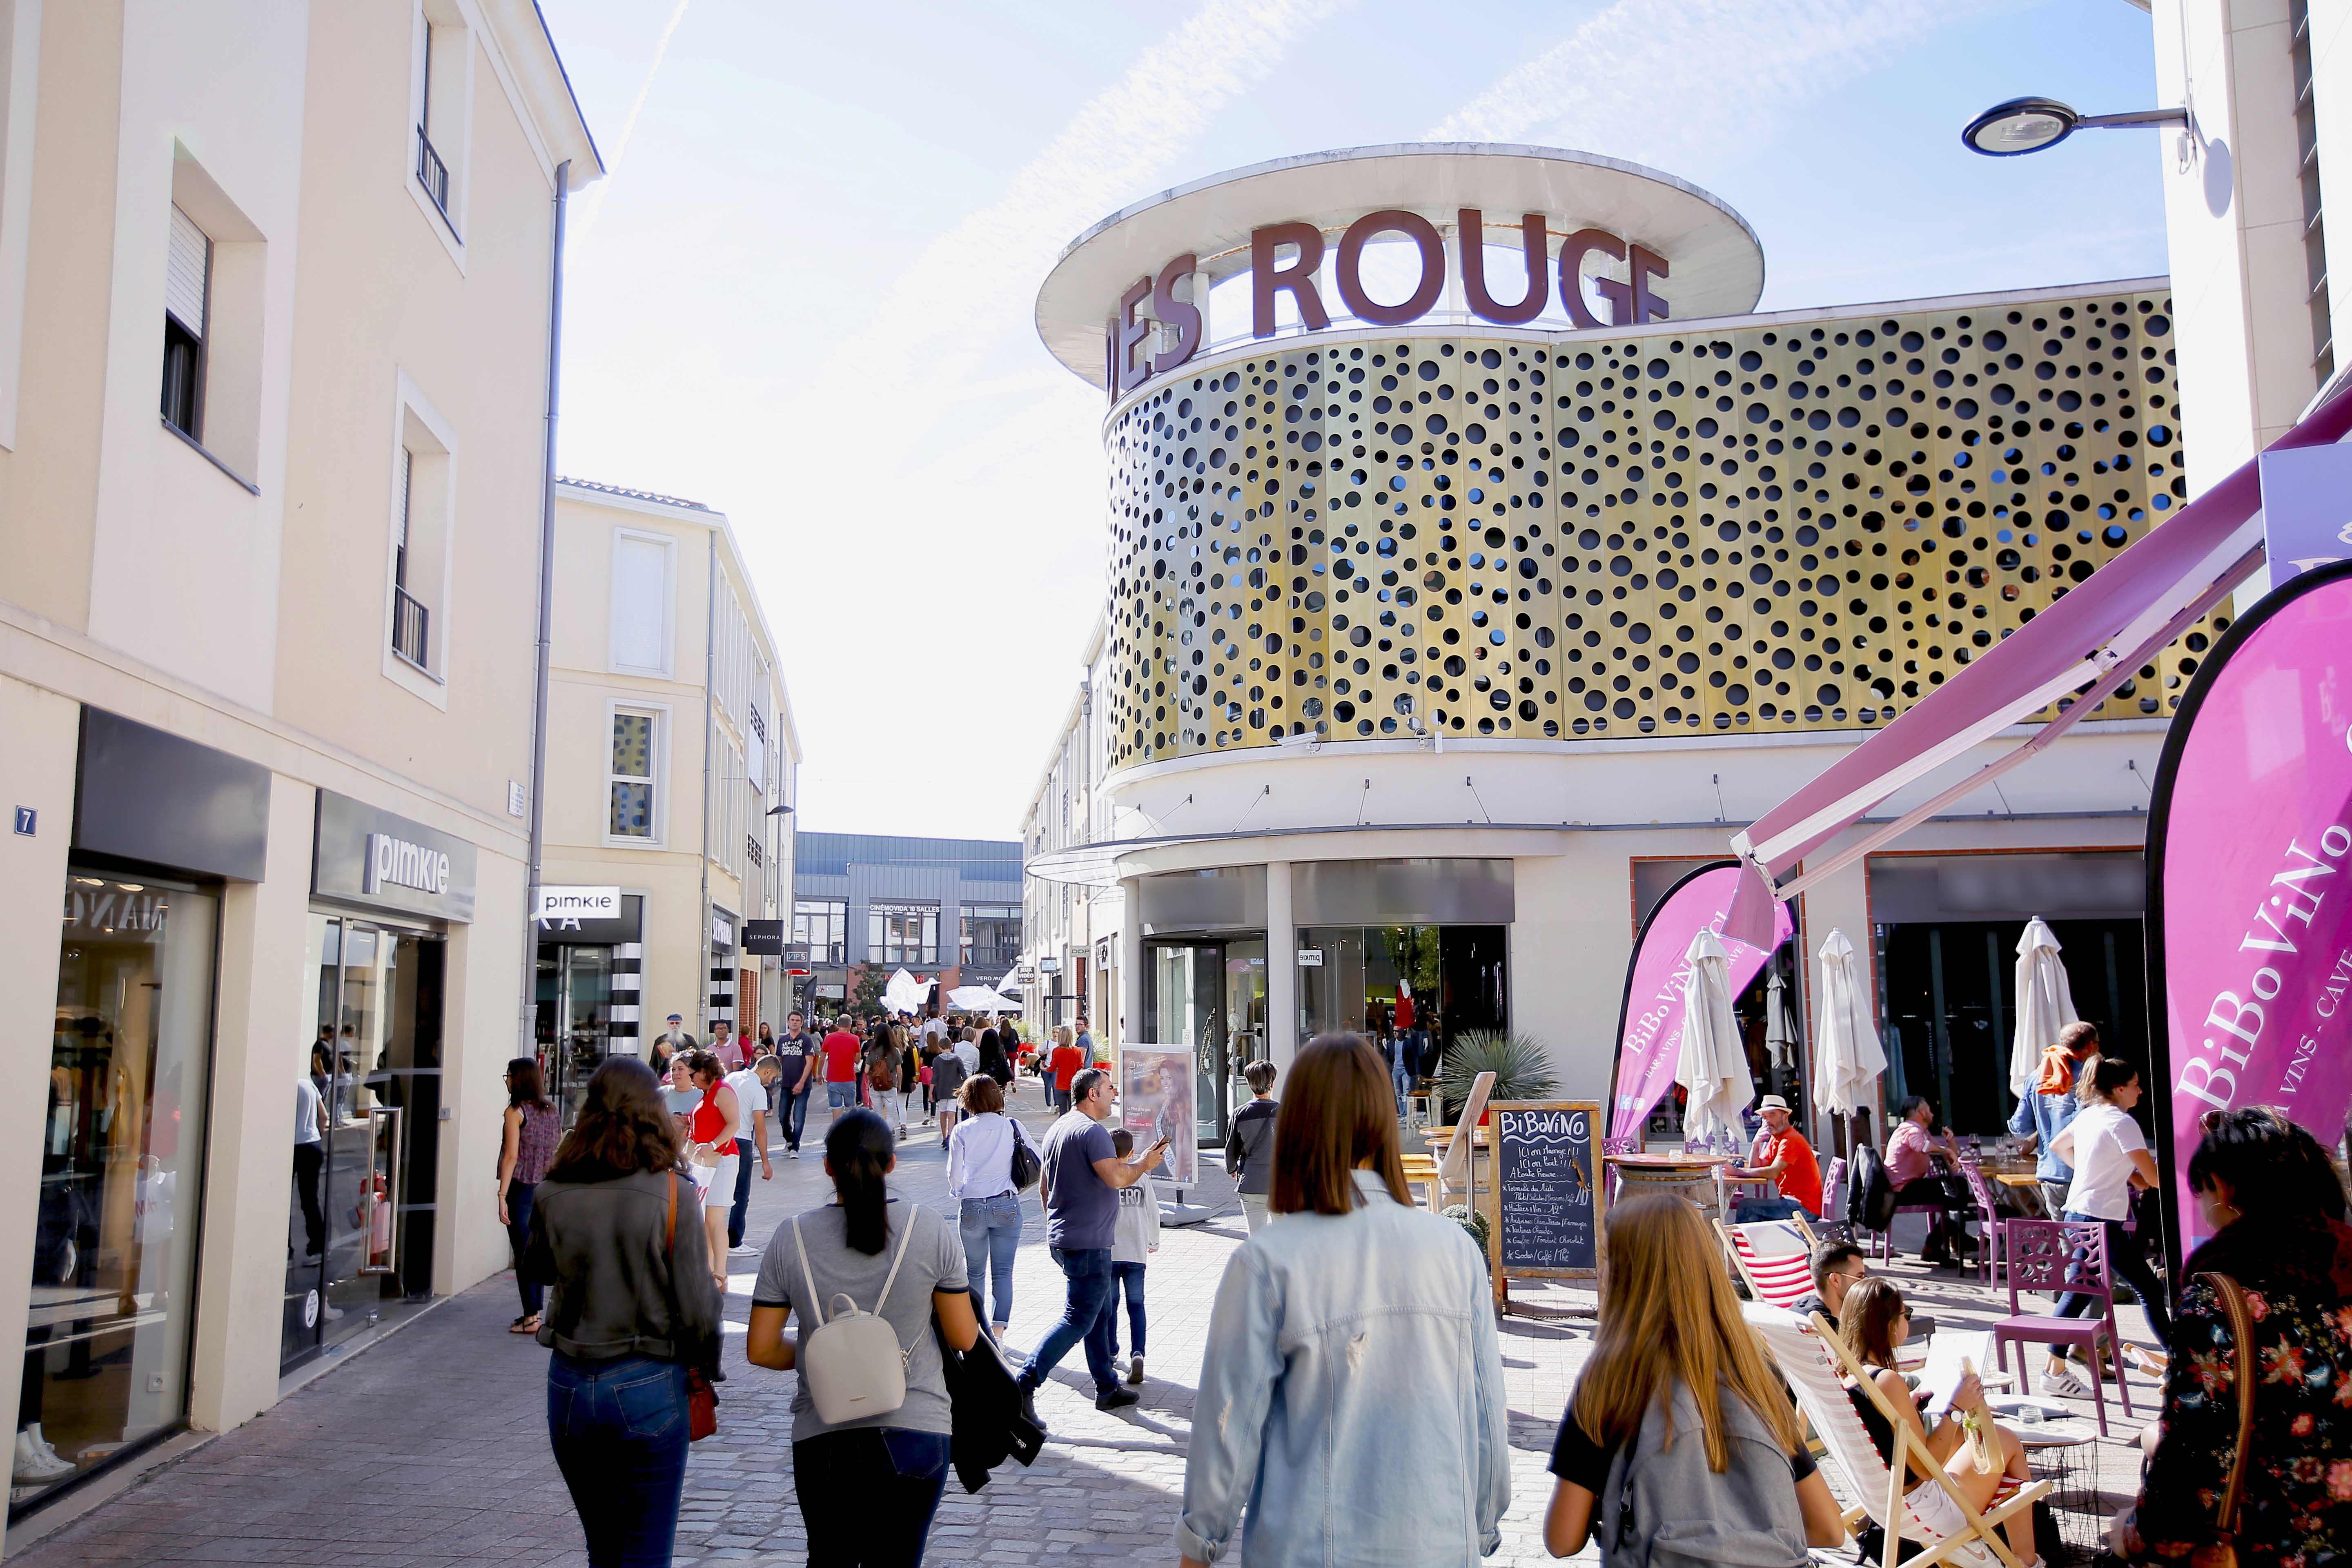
[{"x": 1793, "y": 523}]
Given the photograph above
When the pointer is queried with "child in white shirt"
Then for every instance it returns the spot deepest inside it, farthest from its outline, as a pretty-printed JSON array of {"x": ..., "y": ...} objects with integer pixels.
[{"x": 1134, "y": 1240}]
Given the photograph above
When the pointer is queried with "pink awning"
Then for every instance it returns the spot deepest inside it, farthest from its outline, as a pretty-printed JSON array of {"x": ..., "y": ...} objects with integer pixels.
[{"x": 2089, "y": 642}]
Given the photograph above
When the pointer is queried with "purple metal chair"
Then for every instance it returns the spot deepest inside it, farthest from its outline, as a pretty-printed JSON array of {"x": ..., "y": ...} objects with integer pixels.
[
  {"x": 1833, "y": 1204},
  {"x": 2061, "y": 1256},
  {"x": 1630, "y": 1145},
  {"x": 1886, "y": 1236},
  {"x": 1993, "y": 1256}
]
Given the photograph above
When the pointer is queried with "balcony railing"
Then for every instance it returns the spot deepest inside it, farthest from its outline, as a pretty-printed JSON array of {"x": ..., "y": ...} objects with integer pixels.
[
  {"x": 433, "y": 175},
  {"x": 411, "y": 629}
]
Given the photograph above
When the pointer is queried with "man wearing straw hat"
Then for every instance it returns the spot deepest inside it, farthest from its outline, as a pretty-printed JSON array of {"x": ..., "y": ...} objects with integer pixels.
[{"x": 1782, "y": 1157}]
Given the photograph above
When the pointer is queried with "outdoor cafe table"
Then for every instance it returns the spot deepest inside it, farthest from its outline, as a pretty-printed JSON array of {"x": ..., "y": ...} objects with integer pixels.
[{"x": 1690, "y": 1175}]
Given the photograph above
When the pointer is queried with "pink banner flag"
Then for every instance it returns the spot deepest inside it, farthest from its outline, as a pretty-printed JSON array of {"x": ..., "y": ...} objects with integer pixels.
[
  {"x": 1650, "y": 1023},
  {"x": 2250, "y": 873}
]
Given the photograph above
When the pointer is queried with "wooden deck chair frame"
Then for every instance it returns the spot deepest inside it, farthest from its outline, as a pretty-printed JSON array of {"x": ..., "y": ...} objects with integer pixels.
[
  {"x": 1740, "y": 1261},
  {"x": 1454, "y": 1170},
  {"x": 1889, "y": 1510}
]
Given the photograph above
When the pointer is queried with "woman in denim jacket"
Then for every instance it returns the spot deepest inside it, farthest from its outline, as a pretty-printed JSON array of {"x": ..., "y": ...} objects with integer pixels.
[{"x": 1351, "y": 1400}]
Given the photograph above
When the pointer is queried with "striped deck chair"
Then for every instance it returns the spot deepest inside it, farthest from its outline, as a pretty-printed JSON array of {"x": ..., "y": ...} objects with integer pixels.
[
  {"x": 1815, "y": 1364},
  {"x": 1775, "y": 1256}
]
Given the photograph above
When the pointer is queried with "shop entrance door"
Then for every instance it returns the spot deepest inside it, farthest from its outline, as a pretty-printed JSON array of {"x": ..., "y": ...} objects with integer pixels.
[
  {"x": 1209, "y": 997},
  {"x": 575, "y": 1020},
  {"x": 367, "y": 1111}
]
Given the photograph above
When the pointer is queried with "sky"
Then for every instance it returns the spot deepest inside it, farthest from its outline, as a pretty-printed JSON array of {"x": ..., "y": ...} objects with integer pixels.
[{"x": 804, "y": 292}]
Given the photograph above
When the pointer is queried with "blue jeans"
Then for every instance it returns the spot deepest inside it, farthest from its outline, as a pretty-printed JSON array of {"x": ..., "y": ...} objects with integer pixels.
[
  {"x": 1127, "y": 1279},
  {"x": 519, "y": 1197},
  {"x": 867, "y": 1495},
  {"x": 991, "y": 1236},
  {"x": 1749, "y": 1210},
  {"x": 841, "y": 1096},
  {"x": 1086, "y": 1315},
  {"x": 1402, "y": 1078},
  {"x": 2127, "y": 1257},
  {"x": 794, "y": 1115},
  {"x": 742, "y": 1207},
  {"x": 619, "y": 1431}
]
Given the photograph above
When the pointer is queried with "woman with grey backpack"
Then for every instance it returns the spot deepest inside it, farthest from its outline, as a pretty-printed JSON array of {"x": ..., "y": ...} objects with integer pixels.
[{"x": 871, "y": 1419}]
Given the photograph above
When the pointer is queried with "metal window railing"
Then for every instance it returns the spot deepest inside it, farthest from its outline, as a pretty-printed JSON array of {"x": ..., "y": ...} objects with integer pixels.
[
  {"x": 433, "y": 175},
  {"x": 411, "y": 629}
]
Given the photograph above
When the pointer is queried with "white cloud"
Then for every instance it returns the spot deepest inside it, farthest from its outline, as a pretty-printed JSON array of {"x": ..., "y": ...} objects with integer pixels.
[{"x": 1662, "y": 79}]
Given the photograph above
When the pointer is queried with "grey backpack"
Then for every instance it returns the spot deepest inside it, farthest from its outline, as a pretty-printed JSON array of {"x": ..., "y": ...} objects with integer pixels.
[{"x": 1663, "y": 1508}]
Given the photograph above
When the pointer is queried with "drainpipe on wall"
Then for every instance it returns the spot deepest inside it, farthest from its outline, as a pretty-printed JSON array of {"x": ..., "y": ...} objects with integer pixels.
[
  {"x": 528, "y": 1044},
  {"x": 709, "y": 671}
]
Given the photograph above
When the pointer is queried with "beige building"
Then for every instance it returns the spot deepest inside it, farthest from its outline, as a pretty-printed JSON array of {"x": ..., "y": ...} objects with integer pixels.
[
  {"x": 267, "y": 679},
  {"x": 671, "y": 766}
]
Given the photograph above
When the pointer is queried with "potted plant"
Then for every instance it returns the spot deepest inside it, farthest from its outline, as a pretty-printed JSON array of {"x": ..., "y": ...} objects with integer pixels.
[{"x": 1522, "y": 1069}]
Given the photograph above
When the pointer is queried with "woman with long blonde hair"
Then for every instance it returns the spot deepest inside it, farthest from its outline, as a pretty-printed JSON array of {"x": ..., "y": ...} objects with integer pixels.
[{"x": 1671, "y": 1334}]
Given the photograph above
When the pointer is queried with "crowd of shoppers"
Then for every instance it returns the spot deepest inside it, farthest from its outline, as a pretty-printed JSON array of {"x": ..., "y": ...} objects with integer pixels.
[{"x": 1332, "y": 1322}]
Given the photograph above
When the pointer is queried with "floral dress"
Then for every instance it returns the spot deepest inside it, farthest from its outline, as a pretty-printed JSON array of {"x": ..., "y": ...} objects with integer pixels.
[{"x": 2296, "y": 1508}]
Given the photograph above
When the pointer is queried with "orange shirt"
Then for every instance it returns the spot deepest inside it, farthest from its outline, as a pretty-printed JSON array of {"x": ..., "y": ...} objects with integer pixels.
[
  {"x": 1066, "y": 1061},
  {"x": 1801, "y": 1178}
]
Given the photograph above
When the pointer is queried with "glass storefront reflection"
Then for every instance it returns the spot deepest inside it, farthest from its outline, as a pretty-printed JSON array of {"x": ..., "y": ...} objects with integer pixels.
[
  {"x": 365, "y": 1118},
  {"x": 106, "y": 1347},
  {"x": 1431, "y": 983}
]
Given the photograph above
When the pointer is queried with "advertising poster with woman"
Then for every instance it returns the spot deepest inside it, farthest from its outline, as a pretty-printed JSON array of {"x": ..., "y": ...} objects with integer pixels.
[{"x": 1155, "y": 1101}]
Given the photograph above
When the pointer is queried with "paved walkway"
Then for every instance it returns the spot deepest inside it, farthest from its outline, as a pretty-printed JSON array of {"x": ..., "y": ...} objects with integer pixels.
[{"x": 430, "y": 1449}]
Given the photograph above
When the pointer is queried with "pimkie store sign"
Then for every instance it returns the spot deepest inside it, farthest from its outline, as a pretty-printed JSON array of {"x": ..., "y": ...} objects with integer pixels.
[{"x": 1285, "y": 258}]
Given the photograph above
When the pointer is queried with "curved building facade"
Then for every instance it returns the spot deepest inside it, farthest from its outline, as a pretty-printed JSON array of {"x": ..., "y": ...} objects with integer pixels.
[{"x": 1436, "y": 622}]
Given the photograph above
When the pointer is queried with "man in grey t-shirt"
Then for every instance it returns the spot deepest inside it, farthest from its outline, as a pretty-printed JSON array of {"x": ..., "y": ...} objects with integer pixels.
[{"x": 1083, "y": 1178}]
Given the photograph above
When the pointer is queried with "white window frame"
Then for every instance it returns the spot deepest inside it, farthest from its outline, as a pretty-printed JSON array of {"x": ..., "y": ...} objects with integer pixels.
[
  {"x": 660, "y": 714},
  {"x": 444, "y": 28},
  {"x": 668, "y": 543},
  {"x": 419, "y": 428},
  {"x": 20, "y": 74}
]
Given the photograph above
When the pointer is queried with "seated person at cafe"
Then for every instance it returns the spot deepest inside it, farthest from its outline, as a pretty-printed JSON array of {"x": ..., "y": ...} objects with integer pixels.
[
  {"x": 1910, "y": 1158},
  {"x": 1838, "y": 1267},
  {"x": 1782, "y": 1157}
]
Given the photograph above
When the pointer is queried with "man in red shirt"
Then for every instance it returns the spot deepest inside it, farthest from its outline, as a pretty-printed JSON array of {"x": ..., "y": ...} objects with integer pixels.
[
  {"x": 1063, "y": 1066},
  {"x": 1782, "y": 1157},
  {"x": 842, "y": 1049}
]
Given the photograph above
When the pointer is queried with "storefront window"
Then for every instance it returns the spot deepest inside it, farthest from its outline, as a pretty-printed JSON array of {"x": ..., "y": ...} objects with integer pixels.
[
  {"x": 902, "y": 933},
  {"x": 106, "y": 1345},
  {"x": 1436, "y": 983},
  {"x": 823, "y": 925}
]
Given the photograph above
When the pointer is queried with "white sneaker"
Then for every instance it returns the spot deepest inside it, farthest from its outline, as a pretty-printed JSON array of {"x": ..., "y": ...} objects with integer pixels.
[
  {"x": 45, "y": 1446},
  {"x": 33, "y": 1466},
  {"x": 796, "y": 1153},
  {"x": 745, "y": 1250},
  {"x": 2065, "y": 1384}
]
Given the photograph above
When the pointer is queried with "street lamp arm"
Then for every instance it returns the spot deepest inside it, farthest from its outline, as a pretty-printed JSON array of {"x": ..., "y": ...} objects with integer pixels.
[{"x": 2138, "y": 117}]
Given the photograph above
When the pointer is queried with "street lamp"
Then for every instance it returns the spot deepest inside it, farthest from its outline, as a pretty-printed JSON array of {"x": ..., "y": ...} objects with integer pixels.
[{"x": 2025, "y": 125}]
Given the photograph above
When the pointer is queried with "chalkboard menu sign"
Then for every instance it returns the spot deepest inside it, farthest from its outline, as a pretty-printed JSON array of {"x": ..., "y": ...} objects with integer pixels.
[{"x": 1544, "y": 1197}]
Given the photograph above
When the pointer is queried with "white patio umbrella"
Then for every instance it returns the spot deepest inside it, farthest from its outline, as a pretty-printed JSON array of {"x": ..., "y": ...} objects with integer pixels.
[
  {"x": 1847, "y": 1057},
  {"x": 2045, "y": 1004},
  {"x": 1779, "y": 1044},
  {"x": 981, "y": 999},
  {"x": 1713, "y": 1069},
  {"x": 904, "y": 993}
]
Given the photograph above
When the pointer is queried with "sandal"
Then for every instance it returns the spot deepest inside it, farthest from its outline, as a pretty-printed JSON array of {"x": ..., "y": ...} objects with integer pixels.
[{"x": 526, "y": 1324}]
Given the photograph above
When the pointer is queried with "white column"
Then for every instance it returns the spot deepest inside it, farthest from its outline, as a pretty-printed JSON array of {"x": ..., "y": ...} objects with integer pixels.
[
  {"x": 1281, "y": 968},
  {"x": 1130, "y": 962}
]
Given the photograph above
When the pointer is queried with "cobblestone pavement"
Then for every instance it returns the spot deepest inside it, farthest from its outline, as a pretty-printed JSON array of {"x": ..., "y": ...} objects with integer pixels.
[{"x": 430, "y": 1449}]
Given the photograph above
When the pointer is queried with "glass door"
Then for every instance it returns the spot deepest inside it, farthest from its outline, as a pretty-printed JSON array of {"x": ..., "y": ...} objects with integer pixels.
[
  {"x": 574, "y": 1020},
  {"x": 366, "y": 1131}
]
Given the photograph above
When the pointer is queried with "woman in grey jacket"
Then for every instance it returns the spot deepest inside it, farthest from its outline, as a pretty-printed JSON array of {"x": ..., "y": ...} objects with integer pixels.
[
  {"x": 632, "y": 1308},
  {"x": 1351, "y": 1406}
]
